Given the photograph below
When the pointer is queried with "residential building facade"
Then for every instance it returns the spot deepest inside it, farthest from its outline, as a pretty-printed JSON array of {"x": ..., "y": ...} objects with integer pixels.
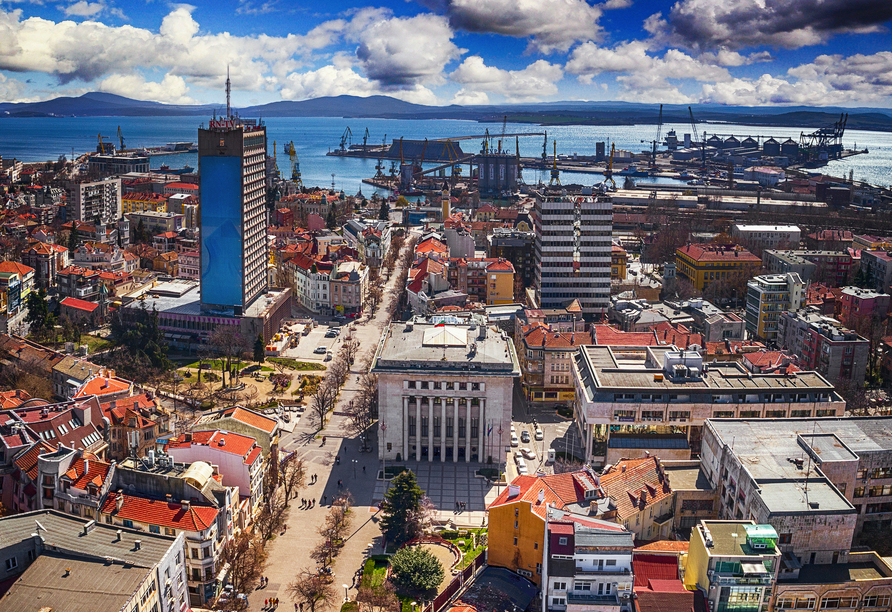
[{"x": 766, "y": 297}]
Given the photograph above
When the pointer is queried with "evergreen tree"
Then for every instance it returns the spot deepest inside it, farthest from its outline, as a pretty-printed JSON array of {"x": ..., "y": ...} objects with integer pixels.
[
  {"x": 384, "y": 211},
  {"x": 259, "y": 349},
  {"x": 73, "y": 238},
  {"x": 416, "y": 571},
  {"x": 402, "y": 509},
  {"x": 38, "y": 315},
  {"x": 140, "y": 338},
  {"x": 331, "y": 221}
]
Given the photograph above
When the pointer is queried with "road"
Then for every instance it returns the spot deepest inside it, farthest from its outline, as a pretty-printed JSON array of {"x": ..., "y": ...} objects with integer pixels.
[{"x": 290, "y": 550}]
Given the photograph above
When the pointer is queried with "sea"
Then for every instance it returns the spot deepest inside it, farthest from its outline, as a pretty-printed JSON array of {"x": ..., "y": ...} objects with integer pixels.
[{"x": 46, "y": 138}]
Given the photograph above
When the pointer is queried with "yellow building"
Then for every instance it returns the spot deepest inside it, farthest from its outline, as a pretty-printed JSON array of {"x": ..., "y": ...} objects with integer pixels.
[
  {"x": 143, "y": 201},
  {"x": 517, "y": 518},
  {"x": 619, "y": 262},
  {"x": 703, "y": 264},
  {"x": 499, "y": 283},
  {"x": 872, "y": 243}
]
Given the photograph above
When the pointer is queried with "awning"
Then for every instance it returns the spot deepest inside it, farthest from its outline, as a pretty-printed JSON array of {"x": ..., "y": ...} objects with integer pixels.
[{"x": 753, "y": 568}]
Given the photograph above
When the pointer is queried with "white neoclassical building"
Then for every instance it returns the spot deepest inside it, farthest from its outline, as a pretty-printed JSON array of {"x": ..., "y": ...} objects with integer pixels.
[{"x": 445, "y": 389}]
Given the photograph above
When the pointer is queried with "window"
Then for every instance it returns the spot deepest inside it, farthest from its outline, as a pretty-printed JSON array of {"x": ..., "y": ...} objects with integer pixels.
[
  {"x": 154, "y": 529},
  {"x": 535, "y": 545},
  {"x": 876, "y": 601},
  {"x": 562, "y": 541},
  {"x": 516, "y": 525},
  {"x": 785, "y": 538},
  {"x": 859, "y": 492},
  {"x": 425, "y": 384},
  {"x": 784, "y": 603},
  {"x": 805, "y": 603},
  {"x": 562, "y": 586},
  {"x": 411, "y": 384},
  {"x": 610, "y": 562},
  {"x": 11, "y": 563},
  {"x": 515, "y": 541},
  {"x": 559, "y": 601},
  {"x": 582, "y": 586},
  {"x": 462, "y": 386},
  {"x": 128, "y": 523}
]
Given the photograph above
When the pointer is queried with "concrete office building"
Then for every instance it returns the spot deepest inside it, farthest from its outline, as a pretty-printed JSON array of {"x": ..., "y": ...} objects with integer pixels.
[
  {"x": 766, "y": 236},
  {"x": 822, "y": 483},
  {"x": 232, "y": 164},
  {"x": 573, "y": 252},
  {"x": 444, "y": 390},
  {"x": 633, "y": 399},
  {"x": 822, "y": 344}
]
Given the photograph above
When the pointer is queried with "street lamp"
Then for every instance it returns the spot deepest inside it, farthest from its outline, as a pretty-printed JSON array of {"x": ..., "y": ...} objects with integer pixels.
[
  {"x": 354, "y": 461},
  {"x": 346, "y": 592}
]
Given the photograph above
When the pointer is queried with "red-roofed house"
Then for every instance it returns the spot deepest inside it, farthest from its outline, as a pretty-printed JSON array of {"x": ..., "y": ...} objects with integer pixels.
[
  {"x": 81, "y": 312},
  {"x": 138, "y": 417},
  {"x": 241, "y": 420},
  {"x": 662, "y": 334},
  {"x": 170, "y": 517},
  {"x": 641, "y": 497},
  {"x": 12, "y": 399},
  {"x": 517, "y": 517},
  {"x": 106, "y": 386},
  {"x": 238, "y": 456},
  {"x": 767, "y": 362},
  {"x": 82, "y": 485},
  {"x": 546, "y": 362}
]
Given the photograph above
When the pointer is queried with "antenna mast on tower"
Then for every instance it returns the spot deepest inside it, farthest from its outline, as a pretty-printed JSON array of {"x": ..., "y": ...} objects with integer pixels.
[{"x": 228, "y": 86}]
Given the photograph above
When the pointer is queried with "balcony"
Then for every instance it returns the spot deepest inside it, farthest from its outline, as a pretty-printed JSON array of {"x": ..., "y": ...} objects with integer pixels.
[
  {"x": 605, "y": 571},
  {"x": 586, "y": 598}
]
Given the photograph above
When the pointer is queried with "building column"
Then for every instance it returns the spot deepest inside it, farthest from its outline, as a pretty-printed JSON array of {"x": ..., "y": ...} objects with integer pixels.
[
  {"x": 484, "y": 439},
  {"x": 468, "y": 429},
  {"x": 430, "y": 429},
  {"x": 443, "y": 428},
  {"x": 455, "y": 435},
  {"x": 417, "y": 428},
  {"x": 405, "y": 428}
]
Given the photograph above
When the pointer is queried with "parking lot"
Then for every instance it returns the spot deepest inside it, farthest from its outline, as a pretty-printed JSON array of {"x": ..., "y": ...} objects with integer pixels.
[{"x": 316, "y": 338}]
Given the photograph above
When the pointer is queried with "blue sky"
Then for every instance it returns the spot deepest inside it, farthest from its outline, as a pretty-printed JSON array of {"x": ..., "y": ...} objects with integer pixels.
[{"x": 746, "y": 52}]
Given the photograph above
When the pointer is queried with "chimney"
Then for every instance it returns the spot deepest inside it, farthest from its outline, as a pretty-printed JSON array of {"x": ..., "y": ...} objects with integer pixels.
[
  {"x": 137, "y": 544},
  {"x": 119, "y": 502},
  {"x": 185, "y": 504},
  {"x": 118, "y": 534},
  {"x": 541, "y": 495},
  {"x": 86, "y": 466},
  {"x": 624, "y": 468}
]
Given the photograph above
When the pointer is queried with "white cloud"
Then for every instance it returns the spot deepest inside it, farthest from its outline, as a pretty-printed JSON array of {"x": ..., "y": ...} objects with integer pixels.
[
  {"x": 12, "y": 89},
  {"x": 404, "y": 51},
  {"x": 171, "y": 90},
  {"x": 334, "y": 81},
  {"x": 83, "y": 9},
  {"x": 469, "y": 98},
  {"x": 534, "y": 82},
  {"x": 551, "y": 25}
]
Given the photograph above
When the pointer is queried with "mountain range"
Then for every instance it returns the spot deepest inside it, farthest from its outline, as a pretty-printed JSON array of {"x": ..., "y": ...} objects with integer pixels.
[{"x": 97, "y": 104}]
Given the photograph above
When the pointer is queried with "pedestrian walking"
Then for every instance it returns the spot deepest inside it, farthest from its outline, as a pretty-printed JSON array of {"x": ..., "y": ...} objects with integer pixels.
[
  {"x": 266, "y": 603},
  {"x": 363, "y": 469},
  {"x": 324, "y": 497}
]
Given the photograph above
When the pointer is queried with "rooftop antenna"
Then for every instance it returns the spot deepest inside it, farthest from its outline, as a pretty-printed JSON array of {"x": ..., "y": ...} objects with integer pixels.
[{"x": 228, "y": 90}]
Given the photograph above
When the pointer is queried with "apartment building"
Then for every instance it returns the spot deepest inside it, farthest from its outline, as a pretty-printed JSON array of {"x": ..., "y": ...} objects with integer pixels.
[
  {"x": 824, "y": 345},
  {"x": 829, "y": 240},
  {"x": 47, "y": 260},
  {"x": 767, "y": 296},
  {"x": 761, "y": 237},
  {"x": 832, "y": 268},
  {"x": 546, "y": 361},
  {"x": 95, "y": 201},
  {"x": 862, "y": 305},
  {"x": 632, "y": 399},
  {"x": 573, "y": 252},
  {"x": 734, "y": 564},
  {"x": 703, "y": 264},
  {"x": 877, "y": 267}
]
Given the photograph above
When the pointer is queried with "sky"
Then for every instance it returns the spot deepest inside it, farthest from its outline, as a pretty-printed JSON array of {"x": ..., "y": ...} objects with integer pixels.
[{"x": 438, "y": 52}]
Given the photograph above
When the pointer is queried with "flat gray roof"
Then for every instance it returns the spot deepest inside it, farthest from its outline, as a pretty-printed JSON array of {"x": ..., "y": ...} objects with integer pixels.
[
  {"x": 454, "y": 347},
  {"x": 764, "y": 445},
  {"x": 613, "y": 371},
  {"x": 90, "y": 586},
  {"x": 729, "y": 539},
  {"x": 65, "y": 533},
  {"x": 828, "y": 447},
  {"x": 189, "y": 303},
  {"x": 814, "y": 496},
  {"x": 687, "y": 478}
]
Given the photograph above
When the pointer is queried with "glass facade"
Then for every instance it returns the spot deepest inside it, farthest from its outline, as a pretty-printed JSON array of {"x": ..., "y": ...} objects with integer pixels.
[{"x": 221, "y": 231}]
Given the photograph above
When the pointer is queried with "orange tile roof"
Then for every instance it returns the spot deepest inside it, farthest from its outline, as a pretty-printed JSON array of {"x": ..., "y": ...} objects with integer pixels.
[
  {"x": 635, "y": 484},
  {"x": 79, "y": 304},
  {"x": 431, "y": 245},
  {"x": 161, "y": 512},
  {"x": 679, "y": 546},
  {"x": 11, "y": 399},
  {"x": 539, "y": 335},
  {"x": 14, "y": 266},
  {"x": 712, "y": 252},
  {"x": 27, "y": 462},
  {"x": 251, "y": 418},
  {"x": 560, "y": 491},
  {"x": 103, "y": 385},
  {"x": 236, "y": 444},
  {"x": 96, "y": 473}
]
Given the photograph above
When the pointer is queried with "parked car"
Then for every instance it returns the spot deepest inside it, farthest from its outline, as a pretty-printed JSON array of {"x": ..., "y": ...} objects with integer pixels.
[
  {"x": 321, "y": 350},
  {"x": 525, "y": 436},
  {"x": 514, "y": 441},
  {"x": 528, "y": 453},
  {"x": 328, "y": 356},
  {"x": 518, "y": 457},
  {"x": 540, "y": 435},
  {"x": 522, "y": 469}
]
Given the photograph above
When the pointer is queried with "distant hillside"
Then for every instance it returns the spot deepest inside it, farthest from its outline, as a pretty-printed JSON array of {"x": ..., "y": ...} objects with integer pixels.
[{"x": 548, "y": 113}]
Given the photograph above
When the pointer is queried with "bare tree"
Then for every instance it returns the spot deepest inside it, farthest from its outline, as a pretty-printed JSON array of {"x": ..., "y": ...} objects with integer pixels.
[
  {"x": 378, "y": 599},
  {"x": 292, "y": 477},
  {"x": 230, "y": 345},
  {"x": 310, "y": 589},
  {"x": 246, "y": 558},
  {"x": 350, "y": 348},
  {"x": 272, "y": 515},
  {"x": 322, "y": 400},
  {"x": 363, "y": 409}
]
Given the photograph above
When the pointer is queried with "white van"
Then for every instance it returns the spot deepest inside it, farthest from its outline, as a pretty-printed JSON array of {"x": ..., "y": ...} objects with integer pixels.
[{"x": 550, "y": 455}]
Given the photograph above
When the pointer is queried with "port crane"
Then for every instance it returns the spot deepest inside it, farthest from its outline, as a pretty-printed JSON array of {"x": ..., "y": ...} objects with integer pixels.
[
  {"x": 504, "y": 130},
  {"x": 365, "y": 139},
  {"x": 702, "y": 141},
  {"x": 295, "y": 165},
  {"x": 608, "y": 173},
  {"x": 555, "y": 173},
  {"x": 121, "y": 137},
  {"x": 346, "y": 137},
  {"x": 656, "y": 141},
  {"x": 545, "y": 148},
  {"x": 104, "y": 148}
]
